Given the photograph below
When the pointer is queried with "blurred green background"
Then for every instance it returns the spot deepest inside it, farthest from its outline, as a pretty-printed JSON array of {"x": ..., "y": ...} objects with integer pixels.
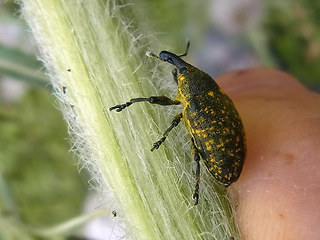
[{"x": 40, "y": 184}]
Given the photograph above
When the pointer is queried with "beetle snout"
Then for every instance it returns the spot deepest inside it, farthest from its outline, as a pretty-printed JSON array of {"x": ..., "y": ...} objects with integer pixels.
[{"x": 172, "y": 59}]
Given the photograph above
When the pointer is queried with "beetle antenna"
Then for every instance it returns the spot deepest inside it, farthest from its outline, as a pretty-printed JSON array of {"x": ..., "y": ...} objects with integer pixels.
[
  {"x": 186, "y": 53},
  {"x": 151, "y": 54}
]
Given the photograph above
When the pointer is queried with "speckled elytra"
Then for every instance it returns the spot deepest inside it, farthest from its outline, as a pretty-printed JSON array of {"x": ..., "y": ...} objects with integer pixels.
[{"x": 217, "y": 133}]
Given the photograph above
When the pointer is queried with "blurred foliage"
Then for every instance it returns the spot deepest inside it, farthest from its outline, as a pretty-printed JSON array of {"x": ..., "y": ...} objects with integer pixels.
[
  {"x": 19, "y": 65},
  {"x": 9, "y": 6},
  {"x": 40, "y": 173},
  {"x": 294, "y": 38},
  {"x": 172, "y": 22},
  {"x": 14, "y": 61},
  {"x": 40, "y": 184}
]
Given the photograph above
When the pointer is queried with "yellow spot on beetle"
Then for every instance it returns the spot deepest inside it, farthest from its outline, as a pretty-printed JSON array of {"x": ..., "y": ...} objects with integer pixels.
[
  {"x": 210, "y": 93},
  {"x": 182, "y": 78},
  {"x": 221, "y": 144},
  {"x": 209, "y": 144}
]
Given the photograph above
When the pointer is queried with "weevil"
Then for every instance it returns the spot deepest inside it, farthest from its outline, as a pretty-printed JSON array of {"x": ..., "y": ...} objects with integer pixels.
[{"x": 210, "y": 117}]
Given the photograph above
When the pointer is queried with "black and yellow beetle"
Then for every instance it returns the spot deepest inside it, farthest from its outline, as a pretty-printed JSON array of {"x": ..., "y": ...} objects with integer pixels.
[{"x": 217, "y": 133}]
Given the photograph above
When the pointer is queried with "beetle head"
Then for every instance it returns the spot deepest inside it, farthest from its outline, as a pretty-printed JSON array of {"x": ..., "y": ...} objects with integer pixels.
[{"x": 173, "y": 59}]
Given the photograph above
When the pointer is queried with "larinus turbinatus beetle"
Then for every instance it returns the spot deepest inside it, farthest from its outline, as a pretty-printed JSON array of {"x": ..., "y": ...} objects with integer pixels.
[{"x": 217, "y": 133}]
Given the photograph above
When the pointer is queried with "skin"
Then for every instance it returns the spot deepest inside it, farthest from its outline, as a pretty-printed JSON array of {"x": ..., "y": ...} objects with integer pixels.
[{"x": 278, "y": 193}]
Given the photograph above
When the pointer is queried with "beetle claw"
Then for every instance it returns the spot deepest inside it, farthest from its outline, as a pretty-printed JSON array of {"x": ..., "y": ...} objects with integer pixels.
[
  {"x": 120, "y": 107},
  {"x": 196, "y": 197},
  {"x": 157, "y": 144}
]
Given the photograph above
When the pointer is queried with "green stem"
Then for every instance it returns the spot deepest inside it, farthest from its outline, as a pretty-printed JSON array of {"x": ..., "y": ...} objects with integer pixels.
[{"x": 89, "y": 50}]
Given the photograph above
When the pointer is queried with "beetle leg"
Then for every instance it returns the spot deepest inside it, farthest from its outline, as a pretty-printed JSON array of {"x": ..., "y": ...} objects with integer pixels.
[
  {"x": 196, "y": 157},
  {"x": 174, "y": 123},
  {"x": 175, "y": 75},
  {"x": 161, "y": 100}
]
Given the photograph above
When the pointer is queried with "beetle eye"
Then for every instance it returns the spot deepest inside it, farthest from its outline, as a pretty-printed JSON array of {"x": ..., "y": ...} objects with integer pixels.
[{"x": 183, "y": 70}]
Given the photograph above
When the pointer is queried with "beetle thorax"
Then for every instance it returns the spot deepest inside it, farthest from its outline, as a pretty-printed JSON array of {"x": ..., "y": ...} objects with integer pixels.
[
  {"x": 193, "y": 83},
  {"x": 183, "y": 94}
]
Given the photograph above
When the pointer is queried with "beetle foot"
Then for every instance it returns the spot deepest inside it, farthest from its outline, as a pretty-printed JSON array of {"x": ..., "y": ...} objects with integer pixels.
[
  {"x": 157, "y": 144},
  {"x": 120, "y": 107},
  {"x": 196, "y": 197}
]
